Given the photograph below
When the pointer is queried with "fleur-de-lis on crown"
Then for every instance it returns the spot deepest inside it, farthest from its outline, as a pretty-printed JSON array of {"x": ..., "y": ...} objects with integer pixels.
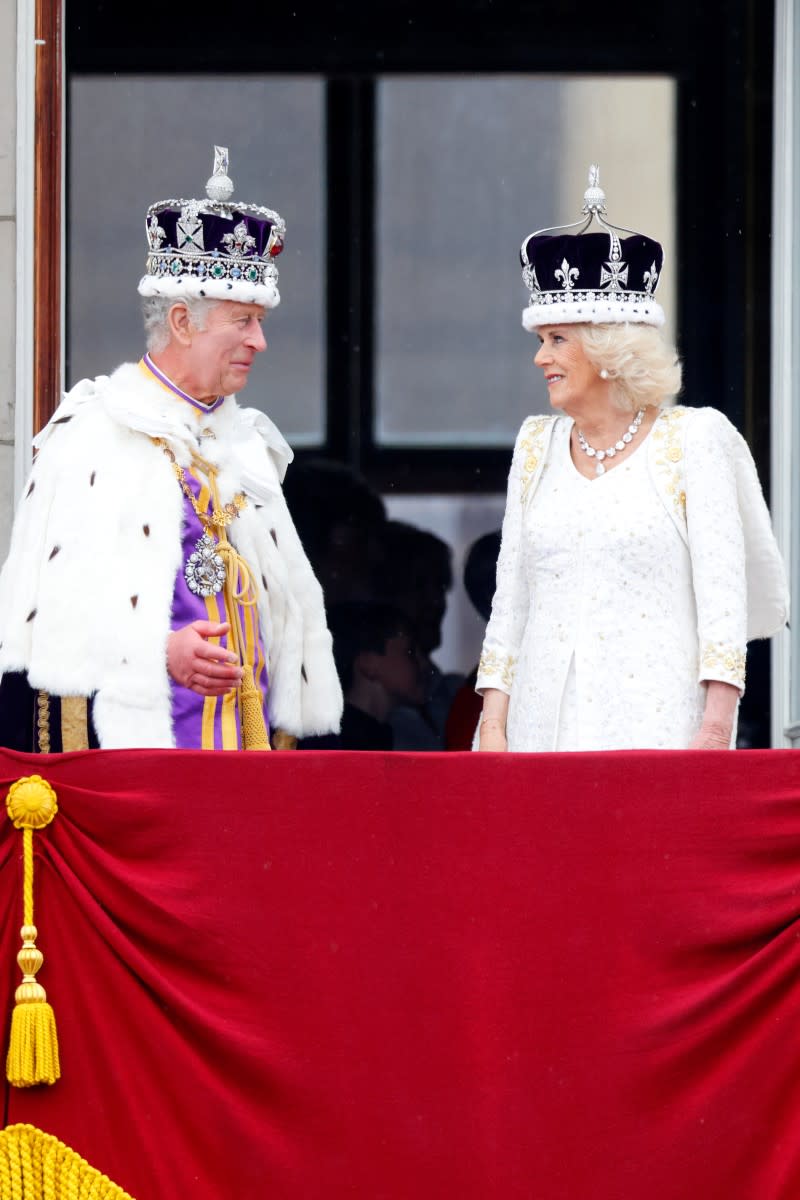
[
  {"x": 650, "y": 280},
  {"x": 240, "y": 242},
  {"x": 567, "y": 275},
  {"x": 155, "y": 234}
]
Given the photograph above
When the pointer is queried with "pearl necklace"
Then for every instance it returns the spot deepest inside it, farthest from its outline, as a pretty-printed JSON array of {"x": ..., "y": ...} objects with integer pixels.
[{"x": 599, "y": 455}]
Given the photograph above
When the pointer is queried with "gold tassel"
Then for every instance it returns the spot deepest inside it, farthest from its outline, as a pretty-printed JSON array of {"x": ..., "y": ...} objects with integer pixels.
[
  {"x": 251, "y": 702},
  {"x": 37, "y": 1166},
  {"x": 254, "y": 729},
  {"x": 33, "y": 1045}
]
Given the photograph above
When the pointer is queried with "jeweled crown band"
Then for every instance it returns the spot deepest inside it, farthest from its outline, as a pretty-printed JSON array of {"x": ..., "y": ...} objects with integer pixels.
[
  {"x": 591, "y": 308},
  {"x": 169, "y": 264}
]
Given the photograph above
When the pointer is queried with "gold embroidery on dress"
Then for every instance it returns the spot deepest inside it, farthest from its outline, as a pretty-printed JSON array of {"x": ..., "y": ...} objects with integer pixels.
[
  {"x": 716, "y": 655},
  {"x": 531, "y": 447},
  {"x": 493, "y": 664},
  {"x": 668, "y": 435}
]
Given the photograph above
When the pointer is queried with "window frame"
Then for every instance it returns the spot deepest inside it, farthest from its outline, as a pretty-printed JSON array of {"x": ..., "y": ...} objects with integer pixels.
[
  {"x": 717, "y": 64},
  {"x": 785, "y": 356}
]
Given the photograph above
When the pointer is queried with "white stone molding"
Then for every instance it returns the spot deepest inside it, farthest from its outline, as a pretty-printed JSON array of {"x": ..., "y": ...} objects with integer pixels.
[
  {"x": 785, "y": 354},
  {"x": 26, "y": 91}
]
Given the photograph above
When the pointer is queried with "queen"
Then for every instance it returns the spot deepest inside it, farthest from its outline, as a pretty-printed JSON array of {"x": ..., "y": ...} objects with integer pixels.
[{"x": 637, "y": 555}]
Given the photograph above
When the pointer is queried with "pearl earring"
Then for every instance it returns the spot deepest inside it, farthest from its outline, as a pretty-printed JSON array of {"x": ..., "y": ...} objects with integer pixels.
[{"x": 604, "y": 374}]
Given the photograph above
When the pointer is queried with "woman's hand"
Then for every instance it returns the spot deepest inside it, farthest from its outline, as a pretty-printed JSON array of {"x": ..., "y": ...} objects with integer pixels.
[
  {"x": 194, "y": 663},
  {"x": 716, "y": 731},
  {"x": 712, "y": 736},
  {"x": 492, "y": 735},
  {"x": 492, "y": 729}
]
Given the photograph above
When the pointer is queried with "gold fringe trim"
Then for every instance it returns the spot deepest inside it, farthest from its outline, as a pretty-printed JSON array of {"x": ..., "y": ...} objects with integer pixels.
[{"x": 37, "y": 1166}]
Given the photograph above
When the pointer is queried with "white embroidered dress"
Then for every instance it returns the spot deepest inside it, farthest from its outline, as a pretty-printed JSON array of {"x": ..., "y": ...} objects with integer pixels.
[{"x": 617, "y": 596}]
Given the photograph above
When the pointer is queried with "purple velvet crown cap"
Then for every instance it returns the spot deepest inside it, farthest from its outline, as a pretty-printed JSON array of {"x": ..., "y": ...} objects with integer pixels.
[
  {"x": 593, "y": 278},
  {"x": 213, "y": 248}
]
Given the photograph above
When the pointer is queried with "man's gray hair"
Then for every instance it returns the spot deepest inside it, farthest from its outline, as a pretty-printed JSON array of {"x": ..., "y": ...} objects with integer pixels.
[{"x": 155, "y": 310}]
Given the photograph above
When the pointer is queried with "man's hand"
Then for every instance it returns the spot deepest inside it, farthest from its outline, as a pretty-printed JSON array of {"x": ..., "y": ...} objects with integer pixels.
[{"x": 195, "y": 664}]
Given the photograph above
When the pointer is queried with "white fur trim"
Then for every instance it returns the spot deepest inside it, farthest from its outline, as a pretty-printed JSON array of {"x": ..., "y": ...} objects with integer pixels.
[
  {"x": 86, "y": 592},
  {"x": 176, "y": 286},
  {"x": 592, "y": 312},
  {"x": 279, "y": 449},
  {"x": 121, "y": 724}
]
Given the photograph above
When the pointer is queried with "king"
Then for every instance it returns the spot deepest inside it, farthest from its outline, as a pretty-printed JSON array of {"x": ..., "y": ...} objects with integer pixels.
[{"x": 156, "y": 592}]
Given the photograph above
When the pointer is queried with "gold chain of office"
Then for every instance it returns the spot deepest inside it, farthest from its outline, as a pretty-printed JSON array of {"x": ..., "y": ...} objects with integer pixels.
[{"x": 219, "y": 518}]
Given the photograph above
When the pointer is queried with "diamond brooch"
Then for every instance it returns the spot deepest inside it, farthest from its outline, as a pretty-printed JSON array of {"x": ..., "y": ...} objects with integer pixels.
[{"x": 204, "y": 571}]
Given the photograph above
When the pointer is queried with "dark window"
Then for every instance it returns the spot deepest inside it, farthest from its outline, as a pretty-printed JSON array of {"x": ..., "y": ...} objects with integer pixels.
[{"x": 400, "y": 283}]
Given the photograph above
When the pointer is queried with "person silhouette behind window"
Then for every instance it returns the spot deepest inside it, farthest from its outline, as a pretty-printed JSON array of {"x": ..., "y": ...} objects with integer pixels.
[
  {"x": 413, "y": 571},
  {"x": 480, "y": 575},
  {"x": 380, "y": 666}
]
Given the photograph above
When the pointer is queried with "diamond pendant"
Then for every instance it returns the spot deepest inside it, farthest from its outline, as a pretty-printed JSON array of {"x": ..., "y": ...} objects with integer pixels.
[
  {"x": 599, "y": 469},
  {"x": 204, "y": 571}
]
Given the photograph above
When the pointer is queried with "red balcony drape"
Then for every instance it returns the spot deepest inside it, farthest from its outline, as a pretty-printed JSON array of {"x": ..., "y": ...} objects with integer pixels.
[{"x": 307, "y": 976}]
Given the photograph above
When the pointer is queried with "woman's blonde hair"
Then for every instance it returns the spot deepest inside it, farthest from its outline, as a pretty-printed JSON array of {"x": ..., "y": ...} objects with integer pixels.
[{"x": 642, "y": 367}]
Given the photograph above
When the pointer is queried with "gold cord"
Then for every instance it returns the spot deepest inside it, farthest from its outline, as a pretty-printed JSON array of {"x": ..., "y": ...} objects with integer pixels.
[
  {"x": 43, "y": 722},
  {"x": 243, "y": 592},
  {"x": 251, "y": 705}
]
